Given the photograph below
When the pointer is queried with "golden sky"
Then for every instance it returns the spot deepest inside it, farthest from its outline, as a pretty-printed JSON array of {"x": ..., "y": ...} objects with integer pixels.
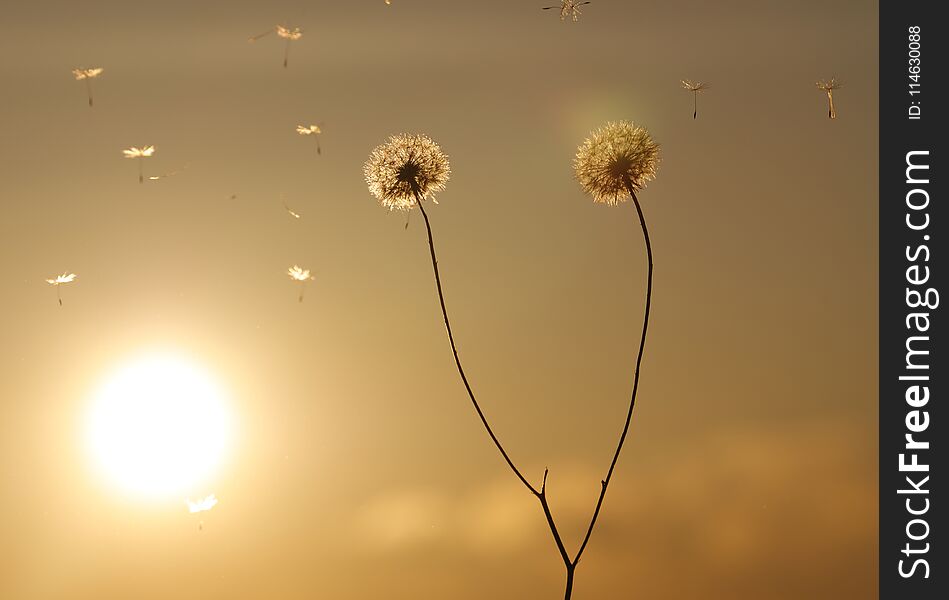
[{"x": 359, "y": 469}]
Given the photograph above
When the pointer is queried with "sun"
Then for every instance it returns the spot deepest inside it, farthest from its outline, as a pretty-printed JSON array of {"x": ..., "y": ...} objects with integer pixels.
[{"x": 158, "y": 427}]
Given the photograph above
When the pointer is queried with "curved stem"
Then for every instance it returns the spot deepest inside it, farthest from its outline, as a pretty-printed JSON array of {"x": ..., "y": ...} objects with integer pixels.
[
  {"x": 454, "y": 351},
  {"x": 639, "y": 358}
]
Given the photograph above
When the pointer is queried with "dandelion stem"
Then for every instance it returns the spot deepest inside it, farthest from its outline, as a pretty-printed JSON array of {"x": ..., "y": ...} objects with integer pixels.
[
  {"x": 58, "y": 296},
  {"x": 831, "y": 113},
  {"x": 141, "y": 175},
  {"x": 89, "y": 91},
  {"x": 302, "y": 289},
  {"x": 286, "y": 54},
  {"x": 695, "y": 104},
  {"x": 454, "y": 351},
  {"x": 639, "y": 358}
]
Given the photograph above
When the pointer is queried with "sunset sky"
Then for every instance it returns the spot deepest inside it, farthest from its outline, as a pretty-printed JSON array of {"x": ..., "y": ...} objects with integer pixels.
[{"x": 356, "y": 467}]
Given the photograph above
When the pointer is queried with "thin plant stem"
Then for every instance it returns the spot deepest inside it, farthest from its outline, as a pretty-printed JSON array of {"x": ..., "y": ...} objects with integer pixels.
[
  {"x": 286, "y": 53},
  {"x": 302, "y": 290},
  {"x": 89, "y": 91},
  {"x": 639, "y": 358},
  {"x": 141, "y": 174},
  {"x": 695, "y": 104},
  {"x": 832, "y": 112},
  {"x": 454, "y": 351},
  {"x": 58, "y": 296},
  {"x": 541, "y": 494}
]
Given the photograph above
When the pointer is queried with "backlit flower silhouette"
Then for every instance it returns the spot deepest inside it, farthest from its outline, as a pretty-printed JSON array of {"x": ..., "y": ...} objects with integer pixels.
[
  {"x": 302, "y": 275},
  {"x": 313, "y": 131},
  {"x": 829, "y": 87},
  {"x": 405, "y": 170},
  {"x": 288, "y": 33},
  {"x": 87, "y": 75},
  {"x": 612, "y": 164},
  {"x": 61, "y": 280},
  {"x": 568, "y": 8},
  {"x": 140, "y": 154},
  {"x": 615, "y": 161},
  {"x": 695, "y": 88},
  {"x": 204, "y": 504}
]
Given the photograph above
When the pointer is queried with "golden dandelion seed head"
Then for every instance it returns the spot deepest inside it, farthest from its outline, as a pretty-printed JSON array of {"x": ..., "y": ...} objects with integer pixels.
[
  {"x": 308, "y": 129},
  {"x": 82, "y": 73},
  {"x": 298, "y": 273},
  {"x": 615, "y": 159},
  {"x": 289, "y": 33},
  {"x": 143, "y": 152},
  {"x": 694, "y": 86},
  {"x": 830, "y": 85},
  {"x": 60, "y": 279},
  {"x": 405, "y": 168}
]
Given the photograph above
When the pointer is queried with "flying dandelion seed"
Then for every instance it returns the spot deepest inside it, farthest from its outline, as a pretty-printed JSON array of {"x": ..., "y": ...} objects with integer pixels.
[
  {"x": 695, "y": 88},
  {"x": 313, "y": 131},
  {"x": 615, "y": 161},
  {"x": 406, "y": 170},
  {"x": 87, "y": 75},
  {"x": 288, "y": 33},
  {"x": 140, "y": 154},
  {"x": 302, "y": 275},
  {"x": 291, "y": 212},
  {"x": 568, "y": 8},
  {"x": 206, "y": 503},
  {"x": 60, "y": 280},
  {"x": 168, "y": 174},
  {"x": 829, "y": 87}
]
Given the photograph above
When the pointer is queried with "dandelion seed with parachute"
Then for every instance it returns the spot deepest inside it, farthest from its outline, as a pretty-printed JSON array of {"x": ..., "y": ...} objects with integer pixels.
[
  {"x": 140, "y": 154},
  {"x": 302, "y": 275},
  {"x": 290, "y": 34},
  {"x": 405, "y": 170},
  {"x": 695, "y": 88},
  {"x": 829, "y": 87},
  {"x": 313, "y": 131},
  {"x": 568, "y": 8},
  {"x": 290, "y": 211},
  {"x": 87, "y": 75},
  {"x": 204, "y": 504},
  {"x": 61, "y": 280}
]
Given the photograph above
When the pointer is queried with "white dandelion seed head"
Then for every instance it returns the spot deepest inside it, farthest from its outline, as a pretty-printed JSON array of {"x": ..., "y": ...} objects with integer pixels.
[
  {"x": 406, "y": 168},
  {"x": 616, "y": 159},
  {"x": 298, "y": 273},
  {"x": 81, "y": 73},
  {"x": 60, "y": 279},
  {"x": 290, "y": 33},
  {"x": 143, "y": 152}
]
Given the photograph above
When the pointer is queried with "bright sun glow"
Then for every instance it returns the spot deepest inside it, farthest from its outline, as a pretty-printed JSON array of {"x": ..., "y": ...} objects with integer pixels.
[{"x": 159, "y": 426}]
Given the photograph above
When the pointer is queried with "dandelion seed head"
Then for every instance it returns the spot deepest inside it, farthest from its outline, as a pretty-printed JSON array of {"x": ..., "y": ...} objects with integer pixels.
[
  {"x": 830, "y": 85},
  {"x": 299, "y": 274},
  {"x": 294, "y": 33},
  {"x": 694, "y": 86},
  {"x": 81, "y": 73},
  {"x": 614, "y": 158},
  {"x": 308, "y": 129},
  {"x": 206, "y": 503},
  {"x": 60, "y": 279},
  {"x": 406, "y": 167},
  {"x": 143, "y": 152},
  {"x": 568, "y": 8}
]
